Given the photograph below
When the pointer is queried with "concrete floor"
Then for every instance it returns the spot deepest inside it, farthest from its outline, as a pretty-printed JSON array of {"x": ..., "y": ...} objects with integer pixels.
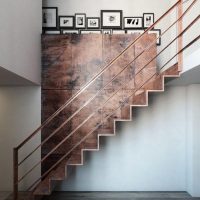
[{"x": 107, "y": 196}]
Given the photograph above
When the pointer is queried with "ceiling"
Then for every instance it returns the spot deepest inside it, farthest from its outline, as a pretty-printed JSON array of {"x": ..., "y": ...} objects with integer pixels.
[
  {"x": 187, "y": 78},
  {"x": 8, "y": 78}
]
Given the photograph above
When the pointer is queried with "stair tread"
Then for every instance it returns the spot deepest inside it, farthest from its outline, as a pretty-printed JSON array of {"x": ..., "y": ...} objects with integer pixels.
[{"x": 138, "y": 99}]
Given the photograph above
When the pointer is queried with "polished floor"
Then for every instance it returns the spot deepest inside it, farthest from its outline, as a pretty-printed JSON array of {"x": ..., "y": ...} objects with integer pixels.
[{"x": 107, "y": 196}]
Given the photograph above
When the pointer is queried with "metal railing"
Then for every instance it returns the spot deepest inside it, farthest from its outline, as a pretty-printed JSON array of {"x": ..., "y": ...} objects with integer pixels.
[{"x": 17, "y": 163}]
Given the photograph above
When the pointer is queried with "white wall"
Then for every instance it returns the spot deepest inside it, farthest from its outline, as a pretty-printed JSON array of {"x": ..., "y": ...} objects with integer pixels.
[
  {"x": 193, "y": 140},
  {"x": 148, "y": 154},
  {"x": 20, "y": 114},
  {"x": 194, "y": 30},
  {"x": 20, "y": 43}
]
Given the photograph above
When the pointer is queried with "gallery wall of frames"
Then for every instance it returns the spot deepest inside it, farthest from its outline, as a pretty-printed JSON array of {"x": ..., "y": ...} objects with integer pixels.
[{"x": 109, "y": 22}]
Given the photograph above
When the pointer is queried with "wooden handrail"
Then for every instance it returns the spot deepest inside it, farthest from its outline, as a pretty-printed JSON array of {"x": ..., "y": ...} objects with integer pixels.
[
  {"x": 96, "y": 76},
  {"x": 92, "y": 98},
  {"x": 61, "y": 159},
  {"x": 180, "y": 40},
  {"x": 91, "y": 115}
]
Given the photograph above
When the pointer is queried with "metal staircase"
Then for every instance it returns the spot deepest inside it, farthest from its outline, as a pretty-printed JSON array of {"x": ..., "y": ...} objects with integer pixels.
[{"x": 85, "y": 136}]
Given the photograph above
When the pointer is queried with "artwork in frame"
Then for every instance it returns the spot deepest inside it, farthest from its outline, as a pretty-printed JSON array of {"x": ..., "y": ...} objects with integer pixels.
[
  {"x": 119, "y": 32},
  {"x": 133, "y": 22},
  {"x": 90, "y": 31},
  {"x": 49, "y": 17},
  {"x": 107, "y": 31},
  {"x": 135, "y": 31},
  {"x": 52, "y": 32},
  {"x": 80, "y": 20},
  {"x": 93, "y": 22},
  {"x": 148, "y": 19},
  {"x": 158, "y": 33},
  {"x": 66, "y": 22},
  {"x": 70, "y": 31},
  {"x": 111, "y": 19}
]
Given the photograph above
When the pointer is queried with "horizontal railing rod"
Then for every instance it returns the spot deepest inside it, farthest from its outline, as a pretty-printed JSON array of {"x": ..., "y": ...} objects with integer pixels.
[
  {"x": 92, "y": 98},
  {"x": 59, "y": 161},
  {"x": 65, "y": 139},
  {"x": 96, "y": 76}
]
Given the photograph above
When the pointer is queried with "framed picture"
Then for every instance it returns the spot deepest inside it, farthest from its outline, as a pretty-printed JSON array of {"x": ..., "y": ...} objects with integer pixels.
[
  {"x": 107, "y": 32},
  {"x": 119, "y": 32},
  {"x": 133, "y": 22},
  {"x": 158, "y": 33},
  {"x": 135, "y": 31},
  {"x": 80, "y": 21},
  {"x": 52, "y": 32},
  {"x": 111, "y": 19},
  {"x": 70, "y": 31},
  {"x": 66, "y": 22},
  {"x": 90, "y": 31},
  {"x": 148, "y": 19},
  {"x": 93, "y": 22},
  {"x": 49, "y": 17}
]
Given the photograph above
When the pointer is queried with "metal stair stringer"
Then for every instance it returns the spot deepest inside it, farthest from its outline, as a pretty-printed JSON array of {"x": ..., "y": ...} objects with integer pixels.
[{"x": 140, "y": 99}]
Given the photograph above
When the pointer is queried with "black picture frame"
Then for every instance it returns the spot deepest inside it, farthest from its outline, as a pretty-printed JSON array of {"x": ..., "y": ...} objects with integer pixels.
[
  {"x": 151, "y": 21},
  {"x": 107, "y": 31},
  {"x": 52, "y": 32},
  {"x": 71, "y": 21},
  {"x": 158, "y": 33},
  {"x": 47, "y": 21},
  {"x": 118, "y": 32},
  {"x": 135, "y": 31},
  {"x": 70, "y": 31},
  {"x": 133, "y": 23},
  {"x": 80, "y": 23},
  {"x": 89, "y": 31},
  {"x": 107, "y": 21},
  {"x": 90, "y": 19}
]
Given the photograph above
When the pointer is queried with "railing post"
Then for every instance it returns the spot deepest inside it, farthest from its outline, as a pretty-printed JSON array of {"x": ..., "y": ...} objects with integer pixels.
[
  {"x": 15, "y": 174},
  {"x": 180, "y": 39}
]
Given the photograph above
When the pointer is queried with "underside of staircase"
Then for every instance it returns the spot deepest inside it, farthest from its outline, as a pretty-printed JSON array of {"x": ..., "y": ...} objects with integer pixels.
[{"x": 90, "y": 82}]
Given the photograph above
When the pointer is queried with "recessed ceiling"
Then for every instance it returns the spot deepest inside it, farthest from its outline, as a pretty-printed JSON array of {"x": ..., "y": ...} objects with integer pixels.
[
  {"x": 8, "y": 78},
  {"x": 187, "y": 78}
]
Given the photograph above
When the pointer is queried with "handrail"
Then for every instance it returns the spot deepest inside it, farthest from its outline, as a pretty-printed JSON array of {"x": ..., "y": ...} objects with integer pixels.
[
  {"x": 61, "y": 159},
  {"x": 92, "y": 98},
  {"x": 95, "y": 77},
  {"x": 91, "y": 115}
]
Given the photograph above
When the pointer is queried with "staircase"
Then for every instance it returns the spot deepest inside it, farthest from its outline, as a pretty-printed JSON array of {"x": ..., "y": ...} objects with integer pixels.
[
  {"x": 91, "y": 141},
  {"x": 128, "y": 74}
]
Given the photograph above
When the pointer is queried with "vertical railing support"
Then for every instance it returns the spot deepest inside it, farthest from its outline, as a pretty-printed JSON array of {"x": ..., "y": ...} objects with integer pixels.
[
  {"x": 15, "y": 174},
  {"x": 180, "y": 39}
]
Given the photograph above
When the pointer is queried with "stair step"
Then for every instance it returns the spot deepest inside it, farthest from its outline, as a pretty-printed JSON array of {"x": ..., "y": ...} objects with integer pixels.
[{"x": 91, "y": 143}]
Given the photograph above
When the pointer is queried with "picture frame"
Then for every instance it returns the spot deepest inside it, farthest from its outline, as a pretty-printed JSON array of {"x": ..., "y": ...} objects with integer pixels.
[
  {"x": 49, "y": 18},
  {"x": 66, "y": 22},
  {"x": 93, "y": 23},
  {"x": 70, "y": 32},
  {"x": 52, "y": 32},
  {"x": 91, "y": 31},
  {"x": 148, "y": 19},
  {"x": 111, "y": 19},
  {"x": 107, "y": 31},
  {"x": 133, "y": 22},
  {"x": 158, "y": 33},
  {"x": 80, "y": 20},
  {"x": 135, "y": 31},
  {"x": 119, "y": 32}
]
